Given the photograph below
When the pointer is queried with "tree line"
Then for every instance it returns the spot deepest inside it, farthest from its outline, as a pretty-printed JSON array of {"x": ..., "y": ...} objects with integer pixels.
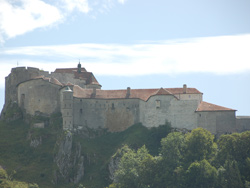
[{"x": 195, "y": 159}]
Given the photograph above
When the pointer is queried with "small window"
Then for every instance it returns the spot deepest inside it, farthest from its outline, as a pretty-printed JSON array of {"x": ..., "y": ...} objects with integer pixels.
[
  {"x": 80, "y": 111},
  {"x": 158, "y": 103},
  {"x": 113, "y": 106}
]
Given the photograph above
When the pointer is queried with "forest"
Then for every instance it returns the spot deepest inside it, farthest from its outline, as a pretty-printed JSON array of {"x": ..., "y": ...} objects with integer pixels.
[{"x": 195, "y": 159}]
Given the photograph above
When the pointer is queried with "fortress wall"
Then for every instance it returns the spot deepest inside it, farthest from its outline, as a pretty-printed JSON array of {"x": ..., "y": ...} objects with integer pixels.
[
  {"x": 161, "y": 108},
  {"x": 217, "y": 122},
  {"x": 39, "y": 95},
  {"x": 18, "y": 75},
  {"x": 243, "y": 123},
  {"x": 115, "y": 115}
]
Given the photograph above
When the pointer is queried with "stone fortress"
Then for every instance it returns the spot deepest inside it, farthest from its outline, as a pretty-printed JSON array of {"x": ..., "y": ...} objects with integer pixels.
[{"x": 76, "y": 93}]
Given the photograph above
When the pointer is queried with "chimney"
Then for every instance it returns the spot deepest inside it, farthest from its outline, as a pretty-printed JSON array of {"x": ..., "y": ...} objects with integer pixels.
[
  {"x": 93, "y": 95},
  {"x": 184, "y": 88},
  {"x": 128, "y": 92}
]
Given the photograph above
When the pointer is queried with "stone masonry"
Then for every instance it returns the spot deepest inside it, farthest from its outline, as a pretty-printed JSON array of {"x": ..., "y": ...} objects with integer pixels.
[{"x": 76, "y": 93}]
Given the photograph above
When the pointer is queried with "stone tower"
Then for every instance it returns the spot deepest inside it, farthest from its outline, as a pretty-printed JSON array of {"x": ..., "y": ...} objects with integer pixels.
[{"x": 67, "y": 108}]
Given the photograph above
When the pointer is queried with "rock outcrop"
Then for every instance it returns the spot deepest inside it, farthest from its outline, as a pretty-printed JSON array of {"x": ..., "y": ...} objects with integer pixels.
[{"x": 68, "y": 160}]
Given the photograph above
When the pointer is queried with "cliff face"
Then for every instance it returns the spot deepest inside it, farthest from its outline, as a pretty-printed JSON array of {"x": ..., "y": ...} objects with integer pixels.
[{"x": 69, "y": 161}]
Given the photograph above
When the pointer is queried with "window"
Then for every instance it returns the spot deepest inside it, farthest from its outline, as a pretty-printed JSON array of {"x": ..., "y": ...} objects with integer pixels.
[
  {"x": 80, "y": 111},
  {"x": 158, "y": 103}
]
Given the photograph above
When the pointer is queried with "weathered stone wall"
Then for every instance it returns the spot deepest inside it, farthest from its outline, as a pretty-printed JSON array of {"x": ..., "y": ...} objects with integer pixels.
[
  {"x": 18, "y": 75},
  {"x": 161, "y": 108},
  {"x": 39, "y": 96},
  {"x": 243, "y": 123},
  {"x": 67, "y": 108},
  {"x": 115, "y": 115},
  {"x": 197, "y": 97},
  {"x": 217, "y": 122}
]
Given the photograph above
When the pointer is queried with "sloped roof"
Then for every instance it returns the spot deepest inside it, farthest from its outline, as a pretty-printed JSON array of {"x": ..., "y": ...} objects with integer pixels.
[
  {"x": 205, "y": 106},
  {"x": 51, "y": 80},
  {"x": 143, "y": 94},
  {"x": 83, "y": 75},
  {"x": 162, "y": 91},
  {"x": 180, "y": 90},
  {"x": 69, "y": 70}
]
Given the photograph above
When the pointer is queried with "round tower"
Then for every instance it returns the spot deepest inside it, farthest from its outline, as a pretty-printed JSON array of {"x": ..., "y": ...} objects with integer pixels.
[{"x": 67, "y": 109}]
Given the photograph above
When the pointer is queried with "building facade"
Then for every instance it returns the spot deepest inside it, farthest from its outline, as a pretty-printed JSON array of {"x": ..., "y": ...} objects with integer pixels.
[{"x": 76, "y": 93}]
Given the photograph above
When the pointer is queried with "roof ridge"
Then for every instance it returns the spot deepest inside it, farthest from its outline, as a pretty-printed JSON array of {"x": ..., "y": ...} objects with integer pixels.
[{"x": 163, "y": 91}]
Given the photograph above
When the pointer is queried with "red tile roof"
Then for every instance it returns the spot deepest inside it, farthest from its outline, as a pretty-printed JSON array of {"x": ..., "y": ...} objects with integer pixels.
[
  {"x": 205, "y": 106},
  {"x": 163, "y": 92},
  {"x": 51, "y": 80},
  {"x": 143, "y": 94}
]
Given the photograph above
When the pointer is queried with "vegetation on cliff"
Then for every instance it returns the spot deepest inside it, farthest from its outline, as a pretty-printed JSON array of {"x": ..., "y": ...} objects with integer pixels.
[{"x": 35, "y": 154}]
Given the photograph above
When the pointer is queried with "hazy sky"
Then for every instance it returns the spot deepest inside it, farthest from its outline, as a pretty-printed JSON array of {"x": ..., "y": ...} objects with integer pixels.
[{"x": 141, "y": 44}]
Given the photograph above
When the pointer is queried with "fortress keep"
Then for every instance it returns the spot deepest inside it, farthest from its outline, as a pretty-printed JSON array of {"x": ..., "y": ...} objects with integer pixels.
[{"x": 76, "y": 93}]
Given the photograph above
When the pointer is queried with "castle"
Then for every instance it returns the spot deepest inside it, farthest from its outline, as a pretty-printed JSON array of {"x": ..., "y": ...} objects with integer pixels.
[{"x": 77, "y": 94}]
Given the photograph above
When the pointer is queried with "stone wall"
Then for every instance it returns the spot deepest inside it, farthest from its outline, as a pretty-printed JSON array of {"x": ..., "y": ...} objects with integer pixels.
[
  {"x": 67, "y": 108},
  {"x": 18, "y": 75},
  {"x": 217, "y": 122},
  {"x": 161, "y": 108},
  {"x": 243, "y": 123},
  {"x": 39, "y": 96},
  {"x": 197, "y": 97},
  {"x": 114, "y": 115}
]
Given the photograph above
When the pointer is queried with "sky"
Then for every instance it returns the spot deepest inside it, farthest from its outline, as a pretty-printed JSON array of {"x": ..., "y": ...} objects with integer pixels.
[{"x": 135, "y": 43}]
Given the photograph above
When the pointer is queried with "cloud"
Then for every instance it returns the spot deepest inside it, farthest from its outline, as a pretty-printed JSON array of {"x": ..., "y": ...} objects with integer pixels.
[
  {"x": 217, "y": 55},
  {"x": 19, "y": 17},
  {"x": 80, "y": 5}
]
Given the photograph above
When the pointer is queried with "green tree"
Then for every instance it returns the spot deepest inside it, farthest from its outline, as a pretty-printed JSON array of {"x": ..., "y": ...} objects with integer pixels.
[
  {"x": 229, "y": 175},
  {"x": 201, "y": 175},
  {"x": 172, "y": 149},
  {"x": 135, "y": 169},
  {"x": 227, "y": 147},
  {"x": 199, "y": 145}
]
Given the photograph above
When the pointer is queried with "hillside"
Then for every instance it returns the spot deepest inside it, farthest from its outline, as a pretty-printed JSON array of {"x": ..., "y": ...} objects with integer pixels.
[{"x": 52, "y": 157}]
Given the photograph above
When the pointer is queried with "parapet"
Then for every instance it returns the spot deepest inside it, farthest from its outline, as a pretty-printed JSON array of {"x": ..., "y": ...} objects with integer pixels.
[
  {"x": 15, "y": 69},
  {"x": 32, "y": 69}
]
